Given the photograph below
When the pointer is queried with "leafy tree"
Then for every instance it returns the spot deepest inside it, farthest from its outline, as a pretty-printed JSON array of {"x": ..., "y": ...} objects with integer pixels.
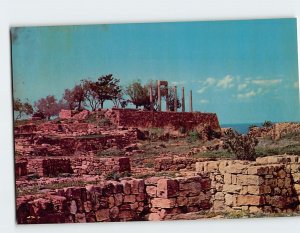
[
  {"x": 267, "y": 124},
  {"x": 105, "y": 88},
  {"x": 48, "y": 106},
  {"x": 74, "y": 97},
  {"x": 138, "y": 94},
  {"x": 21, "y": 108},
  {"x": 243, "y": 146}
]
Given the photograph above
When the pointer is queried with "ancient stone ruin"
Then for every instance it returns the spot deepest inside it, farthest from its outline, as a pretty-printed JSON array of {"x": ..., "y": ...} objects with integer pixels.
[{"x": 104, "y": 166}]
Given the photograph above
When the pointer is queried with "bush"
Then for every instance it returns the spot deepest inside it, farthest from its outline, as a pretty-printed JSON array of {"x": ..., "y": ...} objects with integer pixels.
[
  {"x": 267, "y": 124},
  {"x": 193, "y": 136},
  {"x": 243, "y": 146},
  {"x": 156, "y": 133}
]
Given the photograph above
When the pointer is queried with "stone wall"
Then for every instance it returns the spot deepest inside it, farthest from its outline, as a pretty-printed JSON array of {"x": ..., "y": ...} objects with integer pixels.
[
  {"x": 79, "y": 165},
  {"x": 169, "y": 163},
  {"x": 109, "y": 201},
  {"x": 168, "y": 197},
  {"x": 20, "y": 168},
  {"x": 49, "y": 167},
  {"x": 270, "y": 184},
  {"x": 126, "y": 200},
  {"x": 174, "y": 120},
  {"x": 100, "y": 166}
]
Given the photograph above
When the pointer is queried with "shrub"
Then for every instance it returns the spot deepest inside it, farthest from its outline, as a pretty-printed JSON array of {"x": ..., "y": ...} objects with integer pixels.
[
  {"x": 267, "y": 124},
  {"x": 156, "y": 133},
  {"x": 193, "y": 136},
  {"x": 243, "y": 146}
]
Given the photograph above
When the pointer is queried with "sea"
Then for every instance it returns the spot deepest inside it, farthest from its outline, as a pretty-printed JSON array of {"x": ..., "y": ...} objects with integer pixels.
[{"x": 242, "y": 128}]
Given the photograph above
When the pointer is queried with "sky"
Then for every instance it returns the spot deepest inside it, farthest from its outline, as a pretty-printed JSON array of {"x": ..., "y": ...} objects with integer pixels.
[{"x": 245, "y": 71}]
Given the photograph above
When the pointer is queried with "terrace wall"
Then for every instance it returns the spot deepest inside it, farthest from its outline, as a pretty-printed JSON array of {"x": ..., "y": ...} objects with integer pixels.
[
  {"x": 79, "y": 165},
  {"x": 174, "y": 120},
  {"x": 271, "y": 184}
]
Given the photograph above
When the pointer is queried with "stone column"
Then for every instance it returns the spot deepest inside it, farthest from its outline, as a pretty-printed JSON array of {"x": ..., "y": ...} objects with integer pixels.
[
  {"x": 158, "y": 96},
  {"x": 182, "y": 99},
  {"x": 167, "y": 99},
  {"x": 191, "y": 101},
  {"x": 151, "y": 97},
  {"x": 175, "y": 99}
]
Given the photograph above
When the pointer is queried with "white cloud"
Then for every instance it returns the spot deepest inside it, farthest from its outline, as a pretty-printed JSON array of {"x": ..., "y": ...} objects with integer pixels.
[
  {"x": 201, "y": 90},
  {"x": 209, "y": 81},
  {"x": 204, "y": 101},
  {"x": 247, "y": 95},
  {"x": 242, "y": 86},
  {"x": 226, "y": 82},
  {"x": 266, "y": 82}
]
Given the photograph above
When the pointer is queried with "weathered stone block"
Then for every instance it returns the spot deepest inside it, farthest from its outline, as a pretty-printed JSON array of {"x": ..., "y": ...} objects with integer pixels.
[
  {"x": 249, "y": 200},
  {"x": 163, "y": 202},
  {"x": 230, "y": 200},
  {"x": 137, "y": 186},
  {"x": 102, "y": 215},
  {"x": 167, "y": 188},
  {"x": 129, "y": 198},
  {"x": 258, "y": 170},
  {"x": 227, "y": 178},
  {"x": 151, "y": 191},
  {"x": 249, "y": 180},
  {"x": 232, "y": 188}
]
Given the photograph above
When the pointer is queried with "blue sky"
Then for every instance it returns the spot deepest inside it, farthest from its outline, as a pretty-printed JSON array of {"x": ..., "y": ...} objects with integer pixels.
[{"x": 245, "y": 71}]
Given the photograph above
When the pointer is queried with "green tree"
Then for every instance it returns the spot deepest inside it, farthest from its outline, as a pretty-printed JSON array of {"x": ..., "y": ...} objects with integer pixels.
[
  {"x": 267, "y": 124},
  {"x": 22, "y": 109},
  {"x": 242, "y": 145},
  {"x": 105, "y": 88},
  {"x": 138, "y": 94}
]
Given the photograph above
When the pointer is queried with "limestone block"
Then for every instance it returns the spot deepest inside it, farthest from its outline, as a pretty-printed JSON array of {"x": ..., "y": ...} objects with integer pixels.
[
  {"x": 236, "y": 168},
  {"x": 219, "y": 196},
  {"x": 151, "y": 191},
  {"x": 154, "y": 217},
  {"x": 227, "y": 178},
  {"x": 167, "y": 188},
  {"x": 249, "y": 200},
  {"x": 230, "y": 200},
  {"x": 258, "y": 170},
  {"x": 163, "y": 202},
  {"x": 232, "y": 188},
  {"x": 249, "y": 180},
  {"x": 253, "y": 189}
]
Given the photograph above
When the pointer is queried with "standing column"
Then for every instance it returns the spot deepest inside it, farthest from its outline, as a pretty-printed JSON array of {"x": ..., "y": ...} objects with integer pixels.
[
  {"x": 191, "y": 101},
  {"x": 151, "y": 96},
  {"x": 175, "y": 99},
  {"x": 167, "y": 98},
  {"x": 158, "y": 96},
  {"x": 182, "y": 99}
]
